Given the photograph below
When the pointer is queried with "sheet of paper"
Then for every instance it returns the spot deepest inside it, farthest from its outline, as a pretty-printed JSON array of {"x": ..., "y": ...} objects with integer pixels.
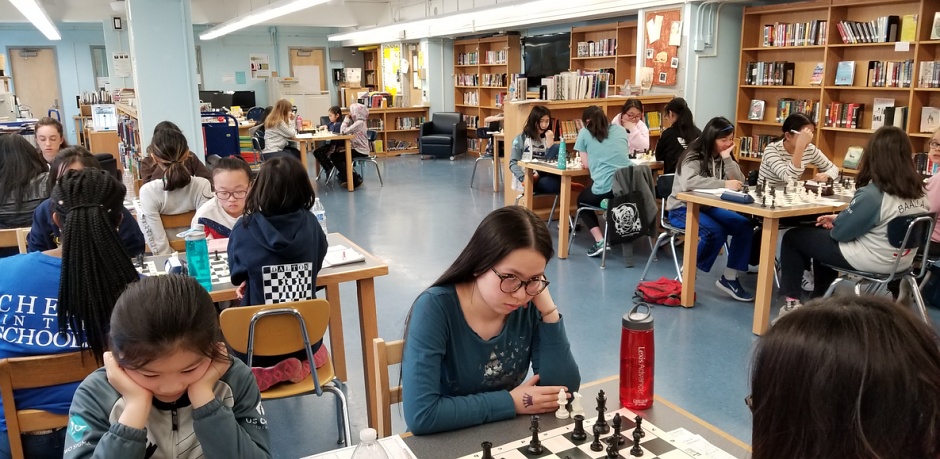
[
  {"x": 696, "y": 446},
  {"x": 714, "y": 191},
  {"x": 304, "y": 136},
  {"x": 675, "y": 33},
  {"x": 652, "y": 31},
  {"x": 394, "y": 446},
  {"x": 241, "y": 78},
  {"x": 228, "y": 77}
]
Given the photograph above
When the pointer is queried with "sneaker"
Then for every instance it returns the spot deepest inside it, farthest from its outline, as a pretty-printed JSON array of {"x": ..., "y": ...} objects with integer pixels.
[
  {"x": 808, "y": 284},
  {"x": 597, "y": 249},
  {"x": 788, "y": 307},
  {"x": 753, "y": 269},
  {"x": 734, "y": 288},
  {"x": 357, "y": 181},
  {"x": 287, "y": 370}
]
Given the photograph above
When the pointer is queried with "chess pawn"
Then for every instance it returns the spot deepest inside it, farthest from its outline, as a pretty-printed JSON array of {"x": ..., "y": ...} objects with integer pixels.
[
  {"x": 487, "y": 450},
  {"x": 562, "y": 412},
  {"x": 596, "y": 444},
  {"x": 578, "y": 434}
]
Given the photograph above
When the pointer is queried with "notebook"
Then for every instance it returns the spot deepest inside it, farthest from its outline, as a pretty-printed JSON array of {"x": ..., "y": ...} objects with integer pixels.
[{"x": 338, "y": 255}]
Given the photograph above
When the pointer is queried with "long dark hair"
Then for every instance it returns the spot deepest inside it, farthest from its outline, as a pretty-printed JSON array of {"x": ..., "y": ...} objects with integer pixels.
[
  {"x": 703, "y": 148},
  {"x": 847, "y": 377},
  {"x": 595, "y": 120},
  {"x": 531, "y": 128},
  {"x": 886, "y": 162},
  {"x": 160, "y": 314},
  {"x": 20, "y": 163},
  {"x": 167, "y": 125},
  {"x": 170, "y": 145},
  {"x": 631, "y": 103},
  {"x": 684, "y": 124},
  {"x": 282, "y": 187},
  {"x": 95, "y": 266},
  {"x": 65, "y": 158}
]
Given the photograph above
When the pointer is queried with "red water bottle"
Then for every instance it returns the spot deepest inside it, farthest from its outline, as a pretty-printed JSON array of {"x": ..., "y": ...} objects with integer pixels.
[{"x": 636, "y": 358}]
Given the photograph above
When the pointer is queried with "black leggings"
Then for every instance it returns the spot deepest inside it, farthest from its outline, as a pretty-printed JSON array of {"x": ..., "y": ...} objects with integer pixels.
[
  {"x": 588, "y": 197},
  {"x": 799, "y": 246},
  {"x": 339, "y": 161}
]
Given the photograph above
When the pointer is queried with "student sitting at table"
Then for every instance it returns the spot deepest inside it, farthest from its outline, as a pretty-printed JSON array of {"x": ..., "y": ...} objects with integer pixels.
[
  {"x": 231, "y": 178},
  {"x": 259, "y": 124},
  {"x": 279, "y": 129},
  {"x": 708, "y": 164},
  {"x": 66, "y": 288},
  {"x": 323, "y": 153},
  {"x": 151, "y": 169},
  {"x": 355, "y": 124},
  {"x": 50, "y": 138},
  {"x": 45, "y": 234},
  {"x": 847, "y": 377},
  {"x": 675, "y": 138},
  {"x": 23, "y": 181},
  {"x": 857, "y": 238},
  {"x": 785, "y": 159},
  {"x": 537, "y": 140},
  {"x": 603, "y": 149},
  {"x": 178, "y": 192},
  {"x": 631, "y": 119},
  {"x": 278, "y": 234},
  {"x": 471, "y": 336}
]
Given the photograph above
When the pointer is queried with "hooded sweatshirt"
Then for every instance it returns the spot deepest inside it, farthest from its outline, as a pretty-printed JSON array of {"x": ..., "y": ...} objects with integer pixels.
[
  {"x": 279, "y": 256},
  {"x": 355, "y": 124}
]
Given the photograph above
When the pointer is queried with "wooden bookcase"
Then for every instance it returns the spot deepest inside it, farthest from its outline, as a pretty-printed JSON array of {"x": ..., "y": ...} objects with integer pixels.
[
  {"x": 834, "y": 141},
  {"x": 623, "y": 59},
  {"x": 474, "y": 97},
  {"x": 385, "y": 121},
  {"x": 371, "y": 69}
]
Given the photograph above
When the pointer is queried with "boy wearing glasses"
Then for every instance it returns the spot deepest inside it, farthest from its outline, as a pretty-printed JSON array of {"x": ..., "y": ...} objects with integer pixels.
[{"x": 231, "y": 178}]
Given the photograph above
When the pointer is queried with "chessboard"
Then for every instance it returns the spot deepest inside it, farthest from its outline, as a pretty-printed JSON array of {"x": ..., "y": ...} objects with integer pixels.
[
  {"x": 795, "y": 194},
  {"x": 218, "y": 266}
]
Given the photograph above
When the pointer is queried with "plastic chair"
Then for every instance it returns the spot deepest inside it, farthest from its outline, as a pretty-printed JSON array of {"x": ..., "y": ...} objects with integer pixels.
[
  {"x": 254, "y": 113},
  {"x": 486, "y": 157},
  {"x": 369, "y": 159},
  {"x": 283, "y": 329},
  {"x": 385, "y": 354},
  {"x": 663, "y": 190},
  {"x": 910, "y": 232},
  {"x": 590, "y": 208},
  {"x": 35, "y": 372}
]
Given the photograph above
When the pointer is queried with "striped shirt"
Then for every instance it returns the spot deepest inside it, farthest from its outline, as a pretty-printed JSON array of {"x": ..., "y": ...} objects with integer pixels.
[{"x": 776, "y": 166}]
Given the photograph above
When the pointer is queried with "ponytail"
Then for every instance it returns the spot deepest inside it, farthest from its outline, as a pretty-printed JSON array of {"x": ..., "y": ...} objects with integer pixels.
[{"x": 170, "y": 146}]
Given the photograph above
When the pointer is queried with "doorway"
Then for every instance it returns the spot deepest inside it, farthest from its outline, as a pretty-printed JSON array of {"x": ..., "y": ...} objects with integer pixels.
[
  {"x": 310, "y": 57},
  {"x": 35, "y": 78}
]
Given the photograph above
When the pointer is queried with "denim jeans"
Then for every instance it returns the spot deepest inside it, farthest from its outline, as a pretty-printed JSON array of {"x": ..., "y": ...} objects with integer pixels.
[
  {"x": 715, "y": 225},
  {"x": 49, "y": 446}
]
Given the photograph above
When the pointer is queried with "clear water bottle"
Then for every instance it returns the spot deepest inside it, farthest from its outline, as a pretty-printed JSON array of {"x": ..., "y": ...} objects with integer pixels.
[
  {"x": 369, "y": 447},
  {"x": 636, "y": 359},
  {"x": 320, "y": 212},
  {"x": 197, "y": 256},
  {"x": 562, "y": 155}
]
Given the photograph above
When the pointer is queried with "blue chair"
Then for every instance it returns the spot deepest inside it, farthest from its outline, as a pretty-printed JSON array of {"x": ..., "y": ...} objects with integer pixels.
[
  {"x": 254, "y": 113},
  {"x": 371, "y": 158}
]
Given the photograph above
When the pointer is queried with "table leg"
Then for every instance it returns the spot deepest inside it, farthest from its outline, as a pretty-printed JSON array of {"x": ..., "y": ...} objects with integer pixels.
[
  {"x": 564, "y": 212},
  {"x": 495, "y": 166},
  {"x": 527, "y": 185},
  {"x": 369, "y": 330},
  {"x": 337, "y": 345},
  {"x": 303, "y": 155},
  {"x": 316, "y": 163},
  {"x": 349, "y": 176},
  {"x": 690, "y": 257},
  {"x": 765, "y": 275}
]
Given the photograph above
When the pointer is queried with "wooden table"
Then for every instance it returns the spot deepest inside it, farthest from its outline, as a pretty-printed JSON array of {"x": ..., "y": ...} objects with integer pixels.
[
  {"x": 768, "y": 248},
  {"x": 312, "y": 140}
]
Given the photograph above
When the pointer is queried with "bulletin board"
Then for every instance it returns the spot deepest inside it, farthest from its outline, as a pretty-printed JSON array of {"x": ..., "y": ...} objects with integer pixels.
[
  {"x": 391, "y": 68},
  {"x": 662, "y": 40}
]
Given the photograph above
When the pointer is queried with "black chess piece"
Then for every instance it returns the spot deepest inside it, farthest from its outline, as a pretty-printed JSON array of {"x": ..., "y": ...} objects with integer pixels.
[
  {"x": 578, "y": 434},
  {"x": 596, "y": 444},
  {"x": 487, "y": 450},
  {"x": 217, "y": 256},
  {"x": 773, "y": 202},
  {"x": 746, "y": 189},
  {"x": 639, "y": 426},
  {"x": 763, "y": 201},
  {"x": 636, "y": 451},
  {"x": 601, "y": 422},
  {"x": 773, "y": 191},
  {"x": 617, "y": 437},
  {"x": 140, "y": 260},
  {"x": 535, "y": 446},
  {"x": 612, "y": 451}
]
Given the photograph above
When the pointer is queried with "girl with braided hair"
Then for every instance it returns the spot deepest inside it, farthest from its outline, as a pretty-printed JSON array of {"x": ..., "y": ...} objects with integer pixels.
[
  {"x": 178, "y": 192},
  {"x": 60, "y": 300}
]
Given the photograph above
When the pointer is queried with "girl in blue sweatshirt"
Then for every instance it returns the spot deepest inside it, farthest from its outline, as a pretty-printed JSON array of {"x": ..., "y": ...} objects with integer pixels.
[
  {"x": 471, "y": 336},
  {"x": 274, "y": 253}
]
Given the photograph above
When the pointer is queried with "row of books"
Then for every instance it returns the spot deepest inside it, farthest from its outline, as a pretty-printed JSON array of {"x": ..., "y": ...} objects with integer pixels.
[
  {"x": 472, "y": 121},
  {"x": 471, "y": 58},
  {"x": 891, "y": 74},
  {"x": 925, "y": 165},
  {"x": 879, "y": 30},
  {"x": 518, "y": 86},
  {"x": 773, "y": 73},
  {"x": 494, "y": 79},
  {"x": 471, "y": 98},
  {"x": 568, "y": 130},
  {"x": 376, "y": 100},
  {"x": 753, "y": 146},
  {"x": 575, "y": 85},
  {"x": 884, "y": 113},
  {"x": 844, "y": 115},
  {"x": 467, "y": 79},
  {"x": 501, "y": 99},
  {"x": 497, "y": 57},
  {"x": 473, "y": 144},
  {"x": 375, "y": 124},
  {"x": 787, "y": 107},
  {"x": 929, "y": 76},
  {"x": 409, "y": 122},
  {"x": 781, "y": 34},
  {"x": 653, "y": 121},
  {"x": 602, "y": 47}
]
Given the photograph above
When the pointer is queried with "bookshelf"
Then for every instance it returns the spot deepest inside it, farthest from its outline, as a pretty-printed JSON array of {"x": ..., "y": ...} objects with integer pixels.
[
  {"x": 483, "y": 69},
  {"x": 396, "y": 129},
  {"x": 371, "y": 69},
  {"x": 614, "y": 48},
  {"x": 828, "y": 48}
]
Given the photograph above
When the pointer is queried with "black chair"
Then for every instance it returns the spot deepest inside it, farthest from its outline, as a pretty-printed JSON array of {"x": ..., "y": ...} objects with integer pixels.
[
  {"x": 324, "y": 120},
  {"x": 254, "y": 113},
  {"x": 444, "y": 136},
  {"x": 109, "y": 163}
]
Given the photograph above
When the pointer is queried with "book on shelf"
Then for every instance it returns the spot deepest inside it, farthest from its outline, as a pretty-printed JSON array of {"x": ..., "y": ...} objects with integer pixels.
[
  {"x": 879, "y": 30},
  {"x": 878, "y": 112},
  {"x": 935, "y": 29},
  {"x": 816, "y": 78},
  {"x": 908, "y": 27},
  {"x": 756, "y": 112},
  {"x": 896, "y": 116},
  {"x": 929, "y": 119},
  {"x": 853, "y": 155},
  {"x": 774, "y": 73},
  {"x": 890, "y": 74},
  {"x": 653, "y": 121},
  {"x": 780, "y": 34},
  {"x": 753, "y": 146},
  {"x": 787, "y": 107},
  {"x": 929, "y": 75},
  {"x": 845, "y": 73},
  {"x": 844, "y": 115},
  {"x": 602, "y": 47}
]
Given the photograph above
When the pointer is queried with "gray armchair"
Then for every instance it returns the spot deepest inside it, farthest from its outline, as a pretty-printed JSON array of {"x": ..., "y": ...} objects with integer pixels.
[{"x": 444, "y": 136}]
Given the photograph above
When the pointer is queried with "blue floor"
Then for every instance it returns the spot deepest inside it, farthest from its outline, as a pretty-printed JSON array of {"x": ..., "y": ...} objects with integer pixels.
[{"x": 422, "y": 218}]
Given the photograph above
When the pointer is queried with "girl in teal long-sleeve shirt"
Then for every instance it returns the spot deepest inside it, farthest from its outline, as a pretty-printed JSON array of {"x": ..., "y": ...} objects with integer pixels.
[{"x": 471, "y": 336}]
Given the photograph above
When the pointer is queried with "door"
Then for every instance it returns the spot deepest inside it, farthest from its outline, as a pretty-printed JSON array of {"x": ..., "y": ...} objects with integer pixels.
[
  {"x": 310, "y": 57},
  {"x": 35, "y": 78}
]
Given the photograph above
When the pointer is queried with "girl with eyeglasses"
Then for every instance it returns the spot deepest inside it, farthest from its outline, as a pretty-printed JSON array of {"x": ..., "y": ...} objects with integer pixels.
[
  {"x": 471, "y": 337},
  {"x": 538, "y": 139},
  {"x": 231, "y": 178},
  {"x": 631, "y": 119},
  {"x": 786, "y": 159},
  {"x": 708, "y": 164}
]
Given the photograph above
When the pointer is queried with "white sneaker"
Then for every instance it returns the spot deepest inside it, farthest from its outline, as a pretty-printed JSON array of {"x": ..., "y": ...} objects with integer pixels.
[
  {"x": 788, "y": 307},
  {"x": 808, "y": 284}
]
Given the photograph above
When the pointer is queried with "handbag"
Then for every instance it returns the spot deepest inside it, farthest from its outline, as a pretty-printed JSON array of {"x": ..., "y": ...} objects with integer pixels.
[{"x": 624, "y": 218}]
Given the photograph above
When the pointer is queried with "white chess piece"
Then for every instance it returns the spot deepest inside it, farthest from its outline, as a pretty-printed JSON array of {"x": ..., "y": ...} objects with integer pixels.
[
  {"x": 576, "y": 407},
  {"x": 562, "y": 412}
]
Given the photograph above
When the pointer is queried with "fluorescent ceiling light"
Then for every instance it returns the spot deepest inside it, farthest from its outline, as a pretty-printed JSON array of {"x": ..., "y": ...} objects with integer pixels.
[
  {"x": 272, "y": 11},
  {"x": 37, "y": 15}
]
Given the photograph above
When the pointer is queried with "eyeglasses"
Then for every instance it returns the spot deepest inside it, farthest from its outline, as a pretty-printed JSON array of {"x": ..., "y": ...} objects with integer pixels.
[
  {"x": 934, "y": 145},
  {"x": 635, "y": 116},
  {"x": 509, "y": 283},
  {"x": 226, "y": 195}
]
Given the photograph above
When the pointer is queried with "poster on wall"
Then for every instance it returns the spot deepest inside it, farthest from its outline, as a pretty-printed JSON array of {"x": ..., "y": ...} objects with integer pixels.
[
  {"x": 122, "y": 65},
  {"x": 391, "y": 68},
  {"x": 260, "y": 66},
  {"x": 663, "y": 36}
]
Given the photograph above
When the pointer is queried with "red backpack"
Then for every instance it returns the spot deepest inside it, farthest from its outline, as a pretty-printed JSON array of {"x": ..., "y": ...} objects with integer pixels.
[{"x": 667, "y": 292}]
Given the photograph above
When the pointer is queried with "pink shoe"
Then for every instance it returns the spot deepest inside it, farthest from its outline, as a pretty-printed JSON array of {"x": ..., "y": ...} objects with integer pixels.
[{"x": 286, "y": 370}]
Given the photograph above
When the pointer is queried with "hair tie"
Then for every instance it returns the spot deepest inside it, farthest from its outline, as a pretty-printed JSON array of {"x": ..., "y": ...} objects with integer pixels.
[{"x": 82, "y": 206}]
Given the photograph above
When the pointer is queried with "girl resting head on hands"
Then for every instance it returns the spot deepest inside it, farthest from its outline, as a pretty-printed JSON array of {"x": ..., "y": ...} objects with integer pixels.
[{"x": 471, "y": 336}]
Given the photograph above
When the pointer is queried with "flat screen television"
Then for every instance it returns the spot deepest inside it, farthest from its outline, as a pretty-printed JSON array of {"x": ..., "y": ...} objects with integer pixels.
[{"x": 546, "y": 55}]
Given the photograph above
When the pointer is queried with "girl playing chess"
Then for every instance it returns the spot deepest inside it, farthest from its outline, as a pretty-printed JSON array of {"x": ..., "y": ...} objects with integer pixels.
[
  {"x": 471, "y": 336},
  {"x": 538, "y": 140},
  {"x": 631, "y": 119},
  {"x": 708, "y": 164}
]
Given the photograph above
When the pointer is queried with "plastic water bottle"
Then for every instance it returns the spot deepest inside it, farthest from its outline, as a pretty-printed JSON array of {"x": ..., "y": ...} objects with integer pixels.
[
  {"x": 197, "y": 256},
  {"x": 369, "y": 447},
  {"x": 320, "y": 212},
  {"x": 562, "y": 155},
  {"x": 636, "y": 359}
]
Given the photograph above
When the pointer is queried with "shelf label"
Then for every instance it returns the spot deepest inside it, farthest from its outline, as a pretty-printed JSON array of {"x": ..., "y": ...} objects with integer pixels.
[{"x": 902, "y": 46}]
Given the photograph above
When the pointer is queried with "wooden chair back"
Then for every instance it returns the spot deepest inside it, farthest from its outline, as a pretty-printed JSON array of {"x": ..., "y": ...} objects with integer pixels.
[
  {"x": 34, "y": 372},
  {"x": 21, "y": 235},
  {"x": 386, "y": 354},
  {"x": 171, "y": 223}
]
